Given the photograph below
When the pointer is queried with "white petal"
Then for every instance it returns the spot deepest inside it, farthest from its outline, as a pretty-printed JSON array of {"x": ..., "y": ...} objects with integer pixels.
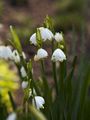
[
  {"x": 33, "y": 39},
  {"x": 41, "y": 53},
  {"x": 15, "y": 56},
  {"x": 58, "y": 55},
  {"x": 24, "y": 84},
  {"x": 23, "y": 72},
  {"x": 58, "y": 37},
  {"x": 12, "y": 116},
  {"x": 38, "y": 101}
]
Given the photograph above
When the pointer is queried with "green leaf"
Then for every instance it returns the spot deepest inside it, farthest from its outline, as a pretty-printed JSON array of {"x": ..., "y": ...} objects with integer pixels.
[
  {"x": 38, "y": 38},
  {"x": 83, "y": 92},
  {"x": 48, "y": 23},
  {"x": 68, "y": 88},
  {"x": 15, "y": 41}
]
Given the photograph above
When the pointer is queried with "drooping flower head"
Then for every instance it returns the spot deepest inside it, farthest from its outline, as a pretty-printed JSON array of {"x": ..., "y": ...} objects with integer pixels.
[
  {"x": 38, "y": 102},
  {"x": 46, "y": 34},
  {"x": 5, "y": 52},
  {"x": 41, "y": 54},
  {"x": 58, "y": 55}
]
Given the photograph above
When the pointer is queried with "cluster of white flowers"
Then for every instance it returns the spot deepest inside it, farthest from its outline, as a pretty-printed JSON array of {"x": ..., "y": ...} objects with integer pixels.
[
  {"x": 46, "y": 34},
  {"x": 6, "y": 53},
  {"x": 58, "y": 55}
]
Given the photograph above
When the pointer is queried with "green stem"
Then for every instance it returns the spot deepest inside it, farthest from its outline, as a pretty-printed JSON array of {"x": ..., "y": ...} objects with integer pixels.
[
  {"x": 55, "y": 76},
  {"x": 43, "y": 74},
  {"x": 61, "y": 90},
  {"x": 54, "y": 71}
]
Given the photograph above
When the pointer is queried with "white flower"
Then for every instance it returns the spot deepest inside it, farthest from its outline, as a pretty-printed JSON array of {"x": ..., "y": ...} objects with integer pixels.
[
  {"x": 41, "y": 53},
  {"x": 5, "y": 52},
  {"x": 58, "y": 37},
  {"x": 38, "y": 102},
  {"x": 12, "y": 116},
  {"x": 15, "y": 56},
  {"x": 58, "y": 55},
  {"x": 23, "y": 72},
  {"x": 46, "y": 34},
  {"x": 24, "y": 84},
  {"x": 33, "y": 39}
]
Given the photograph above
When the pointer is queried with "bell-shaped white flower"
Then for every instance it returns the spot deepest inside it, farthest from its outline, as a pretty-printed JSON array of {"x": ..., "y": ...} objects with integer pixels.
[
  {"x": 12, "y": 116},
  {"x": 58, "y": 37},
  {"x": 58, "y": 55},
  {"x": 41, "y": 54},
  {"x": 5, "y": 52},
  {"x": 24, "y": 84},
  {"x": 23, "y": 72},
  {"x": 46, "y": 34},
  {"x": 15, "y": 56},
  {"x": 38, "y": 102}
]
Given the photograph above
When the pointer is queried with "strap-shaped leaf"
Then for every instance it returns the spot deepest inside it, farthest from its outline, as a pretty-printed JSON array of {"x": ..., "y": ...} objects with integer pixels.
[
  {"x": 36, "y": 113},
  {"x": 83, "y": 92},
  {"x": 15, "y": 41},
  {"x": 38, "y": 38},
  {"x": 68, "y": 89}
]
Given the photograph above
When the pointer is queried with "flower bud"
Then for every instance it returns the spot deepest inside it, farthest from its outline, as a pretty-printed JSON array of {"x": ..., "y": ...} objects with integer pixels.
[{"x": 58, "y": 37}]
